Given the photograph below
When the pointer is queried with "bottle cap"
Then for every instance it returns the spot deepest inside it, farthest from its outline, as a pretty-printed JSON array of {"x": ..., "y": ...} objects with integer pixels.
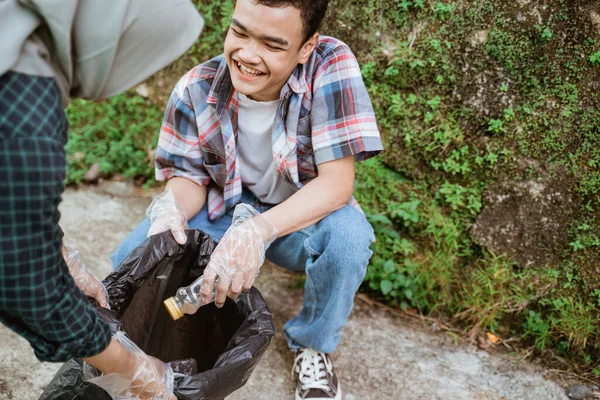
[{"x": 173, "y": 309}]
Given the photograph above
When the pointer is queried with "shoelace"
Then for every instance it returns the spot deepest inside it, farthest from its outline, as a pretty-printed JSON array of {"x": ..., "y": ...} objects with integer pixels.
[{"x": 312, "y": 368}]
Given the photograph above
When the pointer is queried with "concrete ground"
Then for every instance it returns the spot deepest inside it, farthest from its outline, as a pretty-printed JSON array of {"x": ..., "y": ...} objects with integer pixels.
[{"x": 382, "y": 356}]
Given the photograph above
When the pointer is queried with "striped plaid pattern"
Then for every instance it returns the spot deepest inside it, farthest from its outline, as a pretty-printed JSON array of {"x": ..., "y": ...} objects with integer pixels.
[
  {"x": 325, "y": 114},
  {"x": 38, "y": 298}
]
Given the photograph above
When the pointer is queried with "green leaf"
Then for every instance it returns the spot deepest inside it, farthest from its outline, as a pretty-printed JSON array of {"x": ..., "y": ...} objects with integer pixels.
[
  {"x": 379, "y": 218},
  {"x": 386, "y": 287},
  {"x": 392, "y": 234},
  {"x": 389, "y": 266}
]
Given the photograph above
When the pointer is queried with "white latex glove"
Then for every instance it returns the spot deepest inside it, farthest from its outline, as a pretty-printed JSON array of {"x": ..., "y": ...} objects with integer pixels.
[
  {"x": 84, "y": 279},
  {"x": 165, "y": 214},
  {"x": 236, "y": 260},
  {"x": 138, "y": 376}
]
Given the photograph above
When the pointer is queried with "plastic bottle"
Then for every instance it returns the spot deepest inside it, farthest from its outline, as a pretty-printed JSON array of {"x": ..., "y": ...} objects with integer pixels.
[{"x": 187, "y": 300}]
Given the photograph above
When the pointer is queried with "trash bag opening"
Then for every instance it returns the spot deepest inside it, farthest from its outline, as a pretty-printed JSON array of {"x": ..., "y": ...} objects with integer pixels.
[
  {"x": 213, "y": 351},
  {"x": 202, "y": 336}
]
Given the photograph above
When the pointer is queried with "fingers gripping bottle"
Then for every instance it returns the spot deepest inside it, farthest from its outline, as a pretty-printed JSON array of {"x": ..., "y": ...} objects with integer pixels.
[{"x": 187, "y": 300}]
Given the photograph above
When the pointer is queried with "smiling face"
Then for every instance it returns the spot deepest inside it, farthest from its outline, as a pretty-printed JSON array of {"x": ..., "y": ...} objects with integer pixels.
[{"x": 263, "y": 46}]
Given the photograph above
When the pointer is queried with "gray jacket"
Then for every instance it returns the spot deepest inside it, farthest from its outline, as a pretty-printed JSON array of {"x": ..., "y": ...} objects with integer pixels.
[{"x": 95, "y": 48}]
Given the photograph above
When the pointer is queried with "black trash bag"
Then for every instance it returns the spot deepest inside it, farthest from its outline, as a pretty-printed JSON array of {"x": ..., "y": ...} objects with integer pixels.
[{"x": 213, "y": 351}]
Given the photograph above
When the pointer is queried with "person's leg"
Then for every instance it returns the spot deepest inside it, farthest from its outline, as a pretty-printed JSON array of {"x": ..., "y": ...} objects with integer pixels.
[
  {"x": 335, "y": 253},
  {"x": 133, "y": 240}
]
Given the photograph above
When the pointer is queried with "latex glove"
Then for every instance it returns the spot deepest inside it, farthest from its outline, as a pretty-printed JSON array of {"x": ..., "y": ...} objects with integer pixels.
[
  {"x": 139, "y": 375},
  {"x": 165, "y": 214},
  {"x": 236, "y": 260},
  {"x": 84, "y": 279}
]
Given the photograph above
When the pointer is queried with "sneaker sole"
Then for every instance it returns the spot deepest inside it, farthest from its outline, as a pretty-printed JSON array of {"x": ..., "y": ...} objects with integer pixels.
[{"x": 338, "y": 396}]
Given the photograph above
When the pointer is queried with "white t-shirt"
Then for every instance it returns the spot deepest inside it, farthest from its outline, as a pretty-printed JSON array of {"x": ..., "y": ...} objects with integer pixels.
[{"x": 255, "y": 151}]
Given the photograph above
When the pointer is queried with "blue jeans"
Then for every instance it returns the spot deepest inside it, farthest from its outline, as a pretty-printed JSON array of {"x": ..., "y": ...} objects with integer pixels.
[{"x": 334, "y": 254}]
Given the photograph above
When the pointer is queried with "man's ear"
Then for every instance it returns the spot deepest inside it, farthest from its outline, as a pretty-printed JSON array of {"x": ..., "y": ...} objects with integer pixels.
[{"x": 307, "y": 48}]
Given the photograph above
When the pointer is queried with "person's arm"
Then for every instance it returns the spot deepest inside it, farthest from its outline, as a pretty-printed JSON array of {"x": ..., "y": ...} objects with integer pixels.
[
  {"x": 132, "y": 373},
  {"x": 112, "y": 359},
  {"x": 180, "y": 162},
  {"x": 189, "y": 195},
  {"x": 38, "y": 298},
  {"x": 328, "y": 192},
  {"x": 83, "y": 277},
  {"x": 343, "y": 131},
  {"x": 241, "y": 252},
  {"x": 178, "y": 152}
]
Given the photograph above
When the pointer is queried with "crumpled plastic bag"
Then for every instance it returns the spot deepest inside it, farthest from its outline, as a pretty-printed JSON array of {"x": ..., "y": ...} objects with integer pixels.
[{"x": 212, "y": 352}]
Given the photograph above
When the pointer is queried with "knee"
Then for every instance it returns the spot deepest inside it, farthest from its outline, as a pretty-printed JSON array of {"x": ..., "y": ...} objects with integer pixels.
[
  {"x": 346, "y": 235},
  {"x": 348, "y": 226}
]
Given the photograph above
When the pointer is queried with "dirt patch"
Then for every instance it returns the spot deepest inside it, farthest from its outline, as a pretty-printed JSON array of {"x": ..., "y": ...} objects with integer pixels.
[{"x": 5, "y": 391}]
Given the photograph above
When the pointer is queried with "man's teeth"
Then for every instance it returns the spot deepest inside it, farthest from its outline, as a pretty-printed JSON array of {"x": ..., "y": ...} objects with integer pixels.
[{"x": 249, "y": 71}]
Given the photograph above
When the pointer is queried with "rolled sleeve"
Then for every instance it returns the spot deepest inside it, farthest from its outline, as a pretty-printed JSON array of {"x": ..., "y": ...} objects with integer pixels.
[
  {"x": 342, "y": 119},
  {"x": 178, "y": 153}
]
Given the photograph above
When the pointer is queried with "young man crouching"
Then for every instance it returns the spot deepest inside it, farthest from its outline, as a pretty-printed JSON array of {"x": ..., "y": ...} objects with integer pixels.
[{"x": 258, "y": 146}]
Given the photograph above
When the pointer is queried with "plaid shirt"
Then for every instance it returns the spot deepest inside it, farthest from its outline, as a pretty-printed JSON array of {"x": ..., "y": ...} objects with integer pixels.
[
  {"x": 324, "y": 114},
  {"x": 38, "y": 298}
]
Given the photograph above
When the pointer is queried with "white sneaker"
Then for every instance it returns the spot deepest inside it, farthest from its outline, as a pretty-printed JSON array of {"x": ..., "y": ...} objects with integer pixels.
[{"x": 315, "y": 377}]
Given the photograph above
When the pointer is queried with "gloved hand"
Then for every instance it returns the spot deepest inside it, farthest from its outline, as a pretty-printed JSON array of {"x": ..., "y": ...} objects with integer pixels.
[
  {"x": 236, "y": 260},
  {"x": 165, "y": 214},
  {"x": 138, "y": 375},
  {"x": 84, "y": 279}
]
